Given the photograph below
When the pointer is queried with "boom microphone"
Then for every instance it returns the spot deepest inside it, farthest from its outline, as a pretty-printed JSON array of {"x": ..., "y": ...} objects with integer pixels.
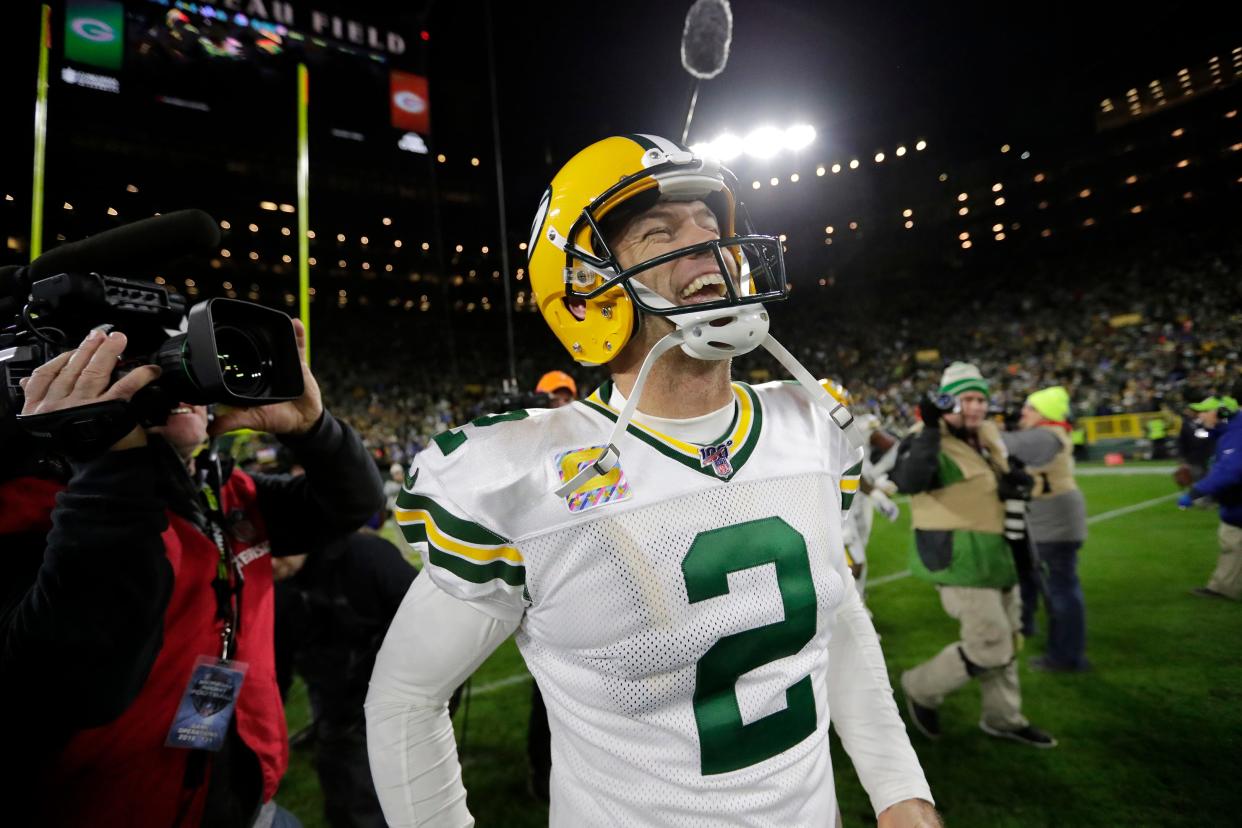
[
  {"x": 141, "y": 244},
  {"x": 704, "y": 47},
  {"x": 706, "y": 37}
]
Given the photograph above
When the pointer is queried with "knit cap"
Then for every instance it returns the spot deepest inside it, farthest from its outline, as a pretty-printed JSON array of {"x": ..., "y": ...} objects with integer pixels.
[
  {"x": 963, "y": 376},
  {"x": 1052, "y": 403}
]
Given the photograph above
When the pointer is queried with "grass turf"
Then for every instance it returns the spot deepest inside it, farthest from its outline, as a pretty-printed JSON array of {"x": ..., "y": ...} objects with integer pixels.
[{"x": 1150, "y": 738}]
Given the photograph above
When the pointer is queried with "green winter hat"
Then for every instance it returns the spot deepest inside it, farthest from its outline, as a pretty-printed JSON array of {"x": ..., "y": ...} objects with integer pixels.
[{"x": 963, "y": 376}]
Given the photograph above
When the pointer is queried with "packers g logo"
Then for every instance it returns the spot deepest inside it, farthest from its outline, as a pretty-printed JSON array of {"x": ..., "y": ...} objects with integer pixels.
[
  {"x": 409, "y": 102},
  {"x": 92, "y": 29}
]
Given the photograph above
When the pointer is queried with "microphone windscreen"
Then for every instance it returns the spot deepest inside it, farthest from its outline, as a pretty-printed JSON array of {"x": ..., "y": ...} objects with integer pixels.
[
  {"x": 142, "y": 244},
  {"x": 706, "y": 37}
]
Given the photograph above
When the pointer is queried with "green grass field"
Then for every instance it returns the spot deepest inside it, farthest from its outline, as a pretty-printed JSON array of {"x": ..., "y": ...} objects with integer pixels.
[{"x": 1150, "y": 738}]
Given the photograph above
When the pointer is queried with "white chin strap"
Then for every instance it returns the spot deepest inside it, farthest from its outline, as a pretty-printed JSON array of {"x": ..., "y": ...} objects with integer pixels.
[{"x": 611, "y": 455}]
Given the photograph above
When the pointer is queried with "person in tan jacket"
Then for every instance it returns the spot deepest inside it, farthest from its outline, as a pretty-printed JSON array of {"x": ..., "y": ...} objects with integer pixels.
[
  {"x": 1057, "y": 522},
  {"x": 955, "y": 467}
]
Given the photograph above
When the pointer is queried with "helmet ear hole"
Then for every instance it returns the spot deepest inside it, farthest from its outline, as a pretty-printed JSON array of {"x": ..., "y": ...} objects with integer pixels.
[{"x": 576, "y": 307}]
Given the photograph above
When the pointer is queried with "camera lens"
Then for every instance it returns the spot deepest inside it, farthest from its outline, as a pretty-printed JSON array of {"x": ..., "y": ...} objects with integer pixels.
[{"x": 243, "y": 366}]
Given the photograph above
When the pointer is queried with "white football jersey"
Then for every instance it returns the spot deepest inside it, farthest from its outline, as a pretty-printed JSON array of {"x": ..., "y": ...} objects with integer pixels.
[{"x": 676, "y": 613}]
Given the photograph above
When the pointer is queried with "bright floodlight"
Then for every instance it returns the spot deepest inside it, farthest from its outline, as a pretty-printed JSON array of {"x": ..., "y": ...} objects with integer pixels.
[
  {"x": 727, "y": 146},
  {"x": 799, "y": 136},
  {"x": 764, "y": 142},
  {"x": 703, "y": 148}
]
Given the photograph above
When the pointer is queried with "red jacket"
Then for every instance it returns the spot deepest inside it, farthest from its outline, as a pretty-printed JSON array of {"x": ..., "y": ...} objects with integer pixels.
[{"x": 121, "y": 774}]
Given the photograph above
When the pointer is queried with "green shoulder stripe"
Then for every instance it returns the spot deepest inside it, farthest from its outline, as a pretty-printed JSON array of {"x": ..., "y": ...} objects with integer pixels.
[
  {"x": 467, "y": 571},
  {"x": 447, "y": 522}
]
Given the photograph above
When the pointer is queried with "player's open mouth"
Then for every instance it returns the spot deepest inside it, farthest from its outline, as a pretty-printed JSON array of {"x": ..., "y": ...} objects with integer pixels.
[
  {"x": 706, "y": 288},
  {"x": 181, "y": 409}
]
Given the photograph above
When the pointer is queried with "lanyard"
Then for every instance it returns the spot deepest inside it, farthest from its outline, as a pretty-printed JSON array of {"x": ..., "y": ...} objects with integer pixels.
[{"x": 228, "y": 582}]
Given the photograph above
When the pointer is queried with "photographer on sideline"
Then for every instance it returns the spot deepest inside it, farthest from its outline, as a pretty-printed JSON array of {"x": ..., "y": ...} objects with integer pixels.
[
  {"x": 956, "y": 470},
  {"x": 144, "y": 616}
]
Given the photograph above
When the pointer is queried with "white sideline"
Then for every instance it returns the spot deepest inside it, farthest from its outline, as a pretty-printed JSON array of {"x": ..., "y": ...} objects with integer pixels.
[
  {"x": 1101, "y": 517},
  {"x": 522, "y": 678}
]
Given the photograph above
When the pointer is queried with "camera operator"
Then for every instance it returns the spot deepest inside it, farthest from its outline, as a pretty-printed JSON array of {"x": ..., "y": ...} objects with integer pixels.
[
  {"x": 956, "y": 470},
  {"x": 144, "y": 617}
]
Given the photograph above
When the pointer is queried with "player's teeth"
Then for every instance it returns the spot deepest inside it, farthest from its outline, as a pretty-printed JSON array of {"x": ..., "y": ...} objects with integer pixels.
[{"x": 700, "y": 283}]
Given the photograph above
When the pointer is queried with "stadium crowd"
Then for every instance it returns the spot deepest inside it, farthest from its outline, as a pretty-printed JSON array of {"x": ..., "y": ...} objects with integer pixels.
[{"x": 1142, "y": 330}]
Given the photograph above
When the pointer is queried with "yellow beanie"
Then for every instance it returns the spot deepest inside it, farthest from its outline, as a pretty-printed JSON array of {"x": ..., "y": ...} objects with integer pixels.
[{"x": 1053, "y": 403}]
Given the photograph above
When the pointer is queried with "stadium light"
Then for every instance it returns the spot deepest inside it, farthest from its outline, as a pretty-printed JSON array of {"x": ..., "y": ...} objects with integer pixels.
[
  {"x": 764, "y": 142},
  {"x": 854, "y": 164},
  {"x": 799, "y": 137},
  {"x": 920, "y": 146},
  {"x": 901, "y": 151},
  {"x": 267, "y": 205}
]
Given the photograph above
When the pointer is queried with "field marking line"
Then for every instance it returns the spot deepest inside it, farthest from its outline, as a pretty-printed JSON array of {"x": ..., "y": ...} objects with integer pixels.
[
  {"x": 1101, "y": 517},
  {"x": 499, "y": 684}
]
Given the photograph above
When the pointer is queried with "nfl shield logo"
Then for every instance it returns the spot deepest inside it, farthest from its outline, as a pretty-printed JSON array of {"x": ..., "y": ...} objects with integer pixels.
[{"x": 718, "y": 458}]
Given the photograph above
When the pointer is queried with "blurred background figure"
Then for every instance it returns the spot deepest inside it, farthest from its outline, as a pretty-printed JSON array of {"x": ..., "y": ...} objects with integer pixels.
[
  {"x": 560, "y": 388},
  {"x": 873, "y": 493},
  {"x": 1223, "y": 483},
  {"x": 1056, "y": 522}
]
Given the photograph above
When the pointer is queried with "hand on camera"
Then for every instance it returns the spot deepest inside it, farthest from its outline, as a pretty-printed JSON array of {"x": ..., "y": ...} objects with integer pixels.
[
  {"x": 83, "y": 377},
  {"x": 292, "y": 417},
  {"x": 930, "y": 413}
]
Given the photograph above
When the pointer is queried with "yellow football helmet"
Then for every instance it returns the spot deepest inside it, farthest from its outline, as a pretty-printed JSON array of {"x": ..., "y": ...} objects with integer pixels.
[{"x": 583, "y": 292}]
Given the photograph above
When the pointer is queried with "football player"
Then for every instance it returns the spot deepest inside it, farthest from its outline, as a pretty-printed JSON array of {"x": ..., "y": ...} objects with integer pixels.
[{"x": 660, "y": 548}]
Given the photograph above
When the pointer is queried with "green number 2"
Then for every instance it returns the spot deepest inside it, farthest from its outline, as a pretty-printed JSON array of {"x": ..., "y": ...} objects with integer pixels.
[{"x": 725, "y": 742}]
